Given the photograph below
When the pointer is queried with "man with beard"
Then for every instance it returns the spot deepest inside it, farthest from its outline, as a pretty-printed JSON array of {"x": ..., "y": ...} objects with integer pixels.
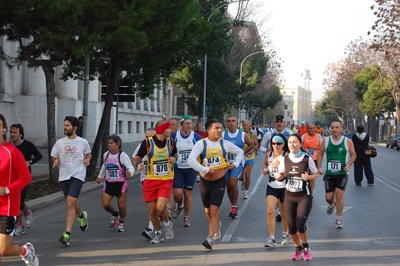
[{"x": 72, "y": 154}]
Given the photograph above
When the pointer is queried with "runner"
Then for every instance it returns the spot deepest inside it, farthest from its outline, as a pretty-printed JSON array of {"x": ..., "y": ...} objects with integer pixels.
[
  {"x": 184, "y": 175},
  {"x": 311, "y": 143},
  {"x": 212, "y": 154},
  {"x": 157, "y": 186},
  {"x": 14, "y": 176},
  {"x": 239, "y": 138},
  {"x": 116, "y": 170},
  {"x": 340, "y": 155},
  {"x": 72, "y": 155},
  {"x": 275, "y": 193},
  {"x": 298, "y": 168},
  {"x": 249, "y": 159}
]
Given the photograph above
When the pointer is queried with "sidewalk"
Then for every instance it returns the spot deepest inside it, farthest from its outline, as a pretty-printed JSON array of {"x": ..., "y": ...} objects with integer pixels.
[{"x": 41, "y": 170}]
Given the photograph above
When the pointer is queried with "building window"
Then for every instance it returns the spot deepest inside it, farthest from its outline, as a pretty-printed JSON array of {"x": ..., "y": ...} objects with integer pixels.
[
  {"x": 145, "y": 125},
  {"x": 146, "y": 104},
  {"x": 152, "y": 124},
  {"x": 129, "y": 127},
  {"x": 120, "y": 124},
  {"x": 285, "y": 106},
  {"x": 137, "y": 126},
  {"x": 180, "y": 106},
  {"x": 137, "y": 100}
]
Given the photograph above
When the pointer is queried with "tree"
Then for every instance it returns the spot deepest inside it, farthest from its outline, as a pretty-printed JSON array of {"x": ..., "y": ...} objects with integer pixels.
[
  {"x": 387, "y": 41},
  {"x": 45, "y": 32}
]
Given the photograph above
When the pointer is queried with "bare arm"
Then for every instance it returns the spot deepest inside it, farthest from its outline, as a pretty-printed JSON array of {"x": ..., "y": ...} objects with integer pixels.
[
  {"x": 321, "y": 157},
  {"x": 353, "y": 155}
]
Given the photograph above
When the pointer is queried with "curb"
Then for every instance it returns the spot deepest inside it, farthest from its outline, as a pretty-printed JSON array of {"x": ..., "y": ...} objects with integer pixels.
[{"x": 52, "y": 199}]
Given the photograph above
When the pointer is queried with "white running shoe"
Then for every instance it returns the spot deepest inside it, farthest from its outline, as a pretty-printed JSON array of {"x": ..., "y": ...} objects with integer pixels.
[
  {"x": 29, "y": 219},
  {"x": 20, "y": 230},
  {"x": 30, "y": 258}
]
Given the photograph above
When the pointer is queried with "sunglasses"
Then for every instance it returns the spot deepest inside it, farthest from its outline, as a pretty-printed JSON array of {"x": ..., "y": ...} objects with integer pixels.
[{"x": 277, "y": 143}]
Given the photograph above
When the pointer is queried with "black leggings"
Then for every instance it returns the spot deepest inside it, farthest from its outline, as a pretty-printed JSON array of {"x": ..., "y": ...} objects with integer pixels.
[
  {"x": 212, "y": 192},
  {"x": 297, "y": 211}
]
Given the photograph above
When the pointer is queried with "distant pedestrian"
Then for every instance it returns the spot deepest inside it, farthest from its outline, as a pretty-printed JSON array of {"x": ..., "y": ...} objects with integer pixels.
[
  {"x": 199, "y": 130},
  {"x": 361, "y": 143},
  {"x": 32, "y": 155},
  {"x": 79, "y": 130},
  {"x": 72, "y": 154},
  {"x": 14, "y": 176},
  {"x": 117, "y": 168}
]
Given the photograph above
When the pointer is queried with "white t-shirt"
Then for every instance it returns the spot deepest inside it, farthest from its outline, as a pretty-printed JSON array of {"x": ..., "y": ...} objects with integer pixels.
[
  {"x": 70, "y": 153},
  {"x": 144, "y": 160}
]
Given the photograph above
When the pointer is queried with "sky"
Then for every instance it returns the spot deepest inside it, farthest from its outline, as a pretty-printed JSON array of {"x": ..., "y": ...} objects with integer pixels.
[{"x": 312, "y": 33}]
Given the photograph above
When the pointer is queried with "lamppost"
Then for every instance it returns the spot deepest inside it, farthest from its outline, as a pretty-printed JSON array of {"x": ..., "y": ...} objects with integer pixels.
[
  {"x": 241, "y": 67},
  {"x": 205, "y": 59}
]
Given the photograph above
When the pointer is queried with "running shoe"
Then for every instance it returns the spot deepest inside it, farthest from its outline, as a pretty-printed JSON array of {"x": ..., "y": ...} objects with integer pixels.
[
  {"x": 285, "y": 240},
  {"x": 208, "y": 243},
  {"x": 243, "y": 184},
  {"x": 29, "y": 219},
  {"x": 338, "y": 224},
  {"x": 217, "y": 234},
  {"x": 278, "y": 217},
  {"x": 186, "y": 221},
  {"x": 234, "y": 212},
  {"x": 148, "y": 233},
  {"x": 178, "y": 213},
  {"x": 20, "y": 230},
  {"x": 330, "y": 208},
  {"x": 297, "y": 254},
  {"x": 114, "y": 221},
  {"x": 157, "y": 238},
  {"x": 30, "y": 258},
  {"x": 307, "y": 254},
  {"x": 270, "y": 242},
  {"x": 245, "y": 195},
  {"x": 83, "y": 221},
  {"x": 120, "y": 227},
  {"x": 169, "y": 232},
  {"x": 198, "y": 179},
  {"x": 65, "y": 239}
]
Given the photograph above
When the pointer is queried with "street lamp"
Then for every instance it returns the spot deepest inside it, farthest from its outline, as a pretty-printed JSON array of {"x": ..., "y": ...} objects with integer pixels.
[
  {"x": 241, "y": 65},
  {"x": 205, "y": 59}
]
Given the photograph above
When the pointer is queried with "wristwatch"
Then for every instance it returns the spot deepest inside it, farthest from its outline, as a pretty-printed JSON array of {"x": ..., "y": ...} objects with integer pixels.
[
  {"x": 7, "y": 191},
  {"x": 30, "y": 161}
]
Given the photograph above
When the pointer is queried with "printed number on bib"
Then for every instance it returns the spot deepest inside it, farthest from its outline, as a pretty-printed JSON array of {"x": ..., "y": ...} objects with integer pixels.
[
  {"x": 184, "y": 156},
  {"x": 334, "y": 165},
  {"x": 213, "y": 161},
  {"x": 295, "y": 184},
  {"x": 112, "y": 174},
  {"x": 311, "y": 152},
  {"x": 160, "y": 168},
  {"x": 273, "y": 171},
  {"x": 231, "y": 157}
]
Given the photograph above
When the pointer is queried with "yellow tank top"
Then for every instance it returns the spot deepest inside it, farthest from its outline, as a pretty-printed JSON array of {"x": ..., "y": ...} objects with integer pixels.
[
  {"x": 214, "y": 158},
  {"x": 159, "y": 166},
  {"x": 248, "y": 157}
]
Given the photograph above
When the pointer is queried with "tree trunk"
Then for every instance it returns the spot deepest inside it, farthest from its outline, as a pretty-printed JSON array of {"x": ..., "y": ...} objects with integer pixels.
[
  {"x": 113, "y": 74},
  {"x": 51, "y": 117}
]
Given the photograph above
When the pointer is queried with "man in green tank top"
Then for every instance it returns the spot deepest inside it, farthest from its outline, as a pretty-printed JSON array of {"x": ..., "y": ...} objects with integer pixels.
[{"x": 340, "y": 155}]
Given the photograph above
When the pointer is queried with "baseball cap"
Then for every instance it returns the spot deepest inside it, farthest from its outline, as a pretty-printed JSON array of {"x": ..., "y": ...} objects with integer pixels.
[
  {"x": 303, "y": 123},
  {"x": 185, "y": 117},
  {"x": 279, "y": 117}
]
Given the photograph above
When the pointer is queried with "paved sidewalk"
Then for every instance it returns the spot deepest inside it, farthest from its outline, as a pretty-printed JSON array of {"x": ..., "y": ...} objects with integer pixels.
[{"x": 41, "y": 169}]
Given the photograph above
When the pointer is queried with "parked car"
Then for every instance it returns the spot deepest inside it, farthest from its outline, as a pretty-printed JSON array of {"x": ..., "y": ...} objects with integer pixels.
[
  {"x": 398, "y": 146},
  {"x": 393, "y": 141}
]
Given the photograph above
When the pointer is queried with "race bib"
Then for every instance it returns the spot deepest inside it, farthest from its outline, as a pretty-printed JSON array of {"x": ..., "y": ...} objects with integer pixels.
[
  {"x": 295, "y": 184},
  {"x": 231, "y": 157},
  {"x": 184, "y": 156},
  {"x": 273, "y": 171},
  {"x": 113, "y": 174},
  {"x": 213, "y": 161},
  {"x": 311, "y": 152},
  {"x": 160, "y": 168},
  {"x": 334, "y": 165}
]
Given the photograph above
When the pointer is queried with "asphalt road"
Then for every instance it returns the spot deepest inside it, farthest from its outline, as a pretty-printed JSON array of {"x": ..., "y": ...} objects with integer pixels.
[{"x": 369, "y": 237}]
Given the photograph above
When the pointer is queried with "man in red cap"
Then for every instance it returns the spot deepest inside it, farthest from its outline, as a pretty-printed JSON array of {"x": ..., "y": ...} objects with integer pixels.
[{"x": 157, "y": 186}]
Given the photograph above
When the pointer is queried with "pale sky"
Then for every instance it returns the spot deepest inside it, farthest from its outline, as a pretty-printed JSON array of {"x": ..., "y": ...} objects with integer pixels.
[{"x": 312, "y": 33}]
